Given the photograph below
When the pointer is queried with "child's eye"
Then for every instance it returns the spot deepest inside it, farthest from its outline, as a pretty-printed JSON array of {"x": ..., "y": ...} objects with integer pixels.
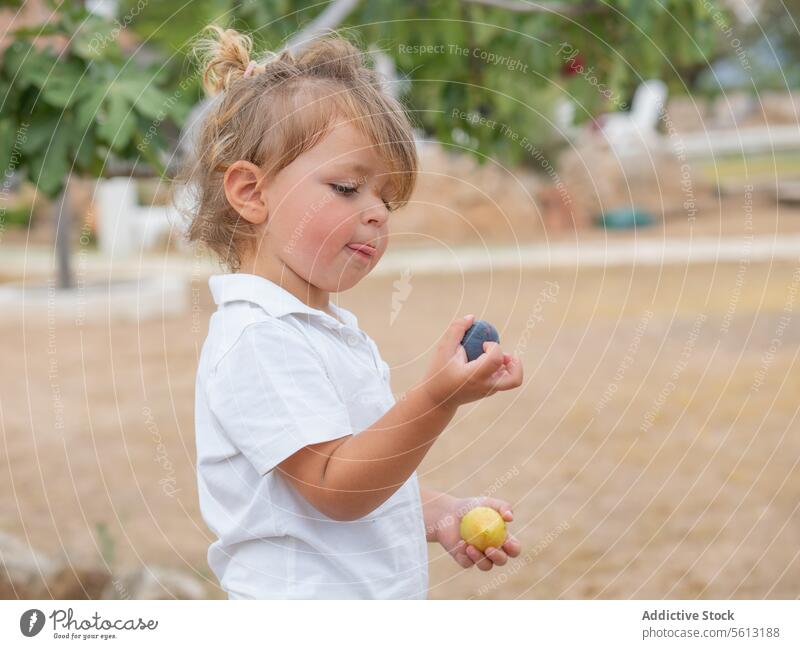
[{"x": 347, "y": 190}]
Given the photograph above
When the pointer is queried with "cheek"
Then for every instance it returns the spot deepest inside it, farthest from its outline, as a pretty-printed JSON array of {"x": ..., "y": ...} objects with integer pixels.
[{"x": 325, "y": 235}]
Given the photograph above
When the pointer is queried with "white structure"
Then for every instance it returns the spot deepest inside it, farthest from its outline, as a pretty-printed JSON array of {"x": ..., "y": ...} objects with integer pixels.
[
  {"x": 125, "y": 228},
  {"x": 631, "y": 131},
  {"x": 627, "y": 132}
]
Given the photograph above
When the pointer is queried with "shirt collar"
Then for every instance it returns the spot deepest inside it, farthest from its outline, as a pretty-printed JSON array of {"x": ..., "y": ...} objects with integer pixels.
[{"x": 271, "y": 297}]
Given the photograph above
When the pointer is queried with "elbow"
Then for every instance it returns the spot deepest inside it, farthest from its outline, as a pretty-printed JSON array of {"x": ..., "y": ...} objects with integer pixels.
[
  {"x": 344, "y": 507},
  {"x": 342, "y": 511}
]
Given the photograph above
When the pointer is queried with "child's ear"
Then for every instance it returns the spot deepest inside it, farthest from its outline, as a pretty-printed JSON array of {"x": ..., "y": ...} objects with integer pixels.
[{"x": 243, "y": 183}]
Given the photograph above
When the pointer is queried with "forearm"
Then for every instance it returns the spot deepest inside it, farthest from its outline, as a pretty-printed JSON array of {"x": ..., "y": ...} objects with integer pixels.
[{"x": 369, "y": 467}]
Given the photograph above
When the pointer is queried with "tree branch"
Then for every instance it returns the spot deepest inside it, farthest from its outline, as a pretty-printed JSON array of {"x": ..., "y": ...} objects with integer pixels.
[
  {"x": 523, "y": 6},
  {"x": 331, "y": 17}
]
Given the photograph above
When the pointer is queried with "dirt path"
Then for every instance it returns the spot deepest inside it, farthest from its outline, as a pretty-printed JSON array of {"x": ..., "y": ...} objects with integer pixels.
[{"x": 652, "y": 451}]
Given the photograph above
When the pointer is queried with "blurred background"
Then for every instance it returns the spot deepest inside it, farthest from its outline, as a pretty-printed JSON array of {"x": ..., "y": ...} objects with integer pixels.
[{"x": 614, "y": 184}]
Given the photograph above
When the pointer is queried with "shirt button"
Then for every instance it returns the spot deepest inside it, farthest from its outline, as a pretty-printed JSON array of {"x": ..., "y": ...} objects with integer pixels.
[{"x": 352, "y": 340}]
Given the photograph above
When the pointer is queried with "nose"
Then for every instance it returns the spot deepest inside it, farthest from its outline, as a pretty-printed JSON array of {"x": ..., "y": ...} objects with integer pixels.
[{"x": 376, "y": 212}]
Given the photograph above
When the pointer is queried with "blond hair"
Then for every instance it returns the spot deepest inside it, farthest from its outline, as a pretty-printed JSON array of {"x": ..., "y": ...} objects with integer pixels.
[{"x": 276, "y": 113}]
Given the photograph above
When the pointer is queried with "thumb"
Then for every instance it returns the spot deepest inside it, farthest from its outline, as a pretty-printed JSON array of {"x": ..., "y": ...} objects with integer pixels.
[
  {"x": 501, "y": 506},
  {"x": 455, "y": 332}
]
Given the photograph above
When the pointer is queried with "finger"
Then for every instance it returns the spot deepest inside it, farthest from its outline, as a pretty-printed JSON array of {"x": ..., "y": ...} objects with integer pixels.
[
  {"x": 479, "y": 558},
  {"x": 487, "y": 363},
  {"x": 496, "y": 556},
  {"x": 512, "y": 379},
  {"x": 512, "y": 546},
  {"x": 451, "y": 338},
  {"x": 463, "y": 560},
  {"x": 499, "y": 373},
  {"x": 502, "y": 507},
  {"x": 459, "y": 553}
]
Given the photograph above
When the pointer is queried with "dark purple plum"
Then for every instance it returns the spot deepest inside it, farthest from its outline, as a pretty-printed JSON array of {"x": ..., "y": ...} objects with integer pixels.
[{"x": 480, "y": 332}]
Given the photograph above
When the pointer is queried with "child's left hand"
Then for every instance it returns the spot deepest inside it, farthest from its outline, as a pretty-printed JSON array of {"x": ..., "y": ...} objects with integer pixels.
[{"x": 447, "y": 532}]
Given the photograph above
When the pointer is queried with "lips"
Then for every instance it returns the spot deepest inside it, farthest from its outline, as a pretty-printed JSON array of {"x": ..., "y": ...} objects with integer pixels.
[{"x": 363, "y": 249}]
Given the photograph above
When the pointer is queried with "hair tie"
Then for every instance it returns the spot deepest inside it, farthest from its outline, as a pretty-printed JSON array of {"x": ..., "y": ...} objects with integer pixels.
[{"x": 250, "y": 67}]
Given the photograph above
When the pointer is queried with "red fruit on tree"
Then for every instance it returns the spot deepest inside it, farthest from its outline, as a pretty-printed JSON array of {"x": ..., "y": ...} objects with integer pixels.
[{"x": 573, "y": 66}]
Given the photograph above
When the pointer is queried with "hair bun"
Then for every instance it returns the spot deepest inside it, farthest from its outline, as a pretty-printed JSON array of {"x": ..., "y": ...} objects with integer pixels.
[{"x": 224, "y": 56}]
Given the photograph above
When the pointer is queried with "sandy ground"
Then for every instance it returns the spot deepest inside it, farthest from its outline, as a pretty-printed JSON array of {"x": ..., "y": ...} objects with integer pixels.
[{"x": 651, "y": 452}]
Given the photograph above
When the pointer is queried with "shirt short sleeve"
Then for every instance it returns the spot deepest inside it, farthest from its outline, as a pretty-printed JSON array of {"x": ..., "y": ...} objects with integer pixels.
[{"x": 272, "y": 395}]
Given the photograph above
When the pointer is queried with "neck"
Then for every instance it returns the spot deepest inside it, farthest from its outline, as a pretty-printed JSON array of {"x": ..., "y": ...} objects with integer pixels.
[{"x": 276, "y": 271}]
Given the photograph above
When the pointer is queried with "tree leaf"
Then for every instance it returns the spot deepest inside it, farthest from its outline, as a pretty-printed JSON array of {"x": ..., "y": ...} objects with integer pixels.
[
  {"x": 82, "y": 149},
  {"x": 6, "y": 143},
  {"x": 42, "y": 127},
  {"x": 89, "y": 106},
  {"x": 119, "y": 124},
  {"x": 49, "y": 168},
  {"x": 147, "y": 100},
  {"x": 66, "y": 85}
]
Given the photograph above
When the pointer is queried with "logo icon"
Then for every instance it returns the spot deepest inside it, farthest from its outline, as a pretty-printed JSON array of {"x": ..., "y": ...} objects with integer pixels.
[
  {"x": 31, "y": 622},
  {"x": 402, "y": 289}
]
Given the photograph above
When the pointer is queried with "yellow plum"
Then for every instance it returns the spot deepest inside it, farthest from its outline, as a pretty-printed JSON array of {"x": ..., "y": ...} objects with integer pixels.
[{"x": 483, "y": 527}]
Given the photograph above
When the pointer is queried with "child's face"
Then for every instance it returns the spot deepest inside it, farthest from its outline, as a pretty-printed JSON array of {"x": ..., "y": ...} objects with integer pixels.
[{"x": 330, "y": 198}]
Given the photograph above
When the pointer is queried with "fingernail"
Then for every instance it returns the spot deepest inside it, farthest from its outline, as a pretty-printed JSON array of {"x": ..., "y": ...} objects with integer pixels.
[{"x": 468, "y": 317}]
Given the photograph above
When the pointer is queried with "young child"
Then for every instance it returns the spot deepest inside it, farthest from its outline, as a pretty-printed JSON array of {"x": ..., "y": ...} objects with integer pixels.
[{"x": 305, "y": 462}]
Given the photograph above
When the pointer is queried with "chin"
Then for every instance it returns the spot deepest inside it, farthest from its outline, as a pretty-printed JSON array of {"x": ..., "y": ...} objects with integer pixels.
[{"x": 345, "y": 284}]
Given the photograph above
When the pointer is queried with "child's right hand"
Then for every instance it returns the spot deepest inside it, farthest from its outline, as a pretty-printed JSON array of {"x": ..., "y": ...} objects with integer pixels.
[{"x": 452, "y": 380}]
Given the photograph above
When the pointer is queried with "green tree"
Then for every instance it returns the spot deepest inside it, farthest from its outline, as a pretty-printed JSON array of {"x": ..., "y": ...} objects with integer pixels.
[
  {"x": 78, "y": 110},
  {"x": 89, "y": 111},
  {"x": 505, "y": 60}
]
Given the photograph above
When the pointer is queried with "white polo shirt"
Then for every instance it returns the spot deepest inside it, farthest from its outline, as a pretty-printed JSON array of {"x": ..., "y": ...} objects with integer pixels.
[{"x": 274, "y": 376}]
